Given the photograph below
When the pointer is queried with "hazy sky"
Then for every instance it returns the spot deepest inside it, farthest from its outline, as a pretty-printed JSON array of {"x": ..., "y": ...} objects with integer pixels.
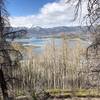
[{"x": 43, "y": 13}]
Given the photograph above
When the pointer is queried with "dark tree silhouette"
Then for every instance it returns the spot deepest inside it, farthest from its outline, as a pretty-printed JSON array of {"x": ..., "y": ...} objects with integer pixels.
[
  {"x": 9, "y": 57},
  {"x": 92, "y": 17}
]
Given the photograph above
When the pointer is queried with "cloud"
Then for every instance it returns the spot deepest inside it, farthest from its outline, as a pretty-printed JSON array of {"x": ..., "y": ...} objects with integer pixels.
[{"x": 50, "y": 15}]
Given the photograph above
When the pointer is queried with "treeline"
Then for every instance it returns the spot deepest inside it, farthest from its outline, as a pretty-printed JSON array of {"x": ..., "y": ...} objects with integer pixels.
[{"x": 57, "y": 67}]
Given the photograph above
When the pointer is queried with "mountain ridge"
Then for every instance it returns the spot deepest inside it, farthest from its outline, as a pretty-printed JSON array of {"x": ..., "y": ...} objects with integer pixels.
[{"x": 38, "y": 31}]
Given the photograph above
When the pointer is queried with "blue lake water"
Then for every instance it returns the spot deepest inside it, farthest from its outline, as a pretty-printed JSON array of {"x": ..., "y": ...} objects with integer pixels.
[
  {"x": 41, "y": 42},
  {"x": 37, "y": 41}
]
